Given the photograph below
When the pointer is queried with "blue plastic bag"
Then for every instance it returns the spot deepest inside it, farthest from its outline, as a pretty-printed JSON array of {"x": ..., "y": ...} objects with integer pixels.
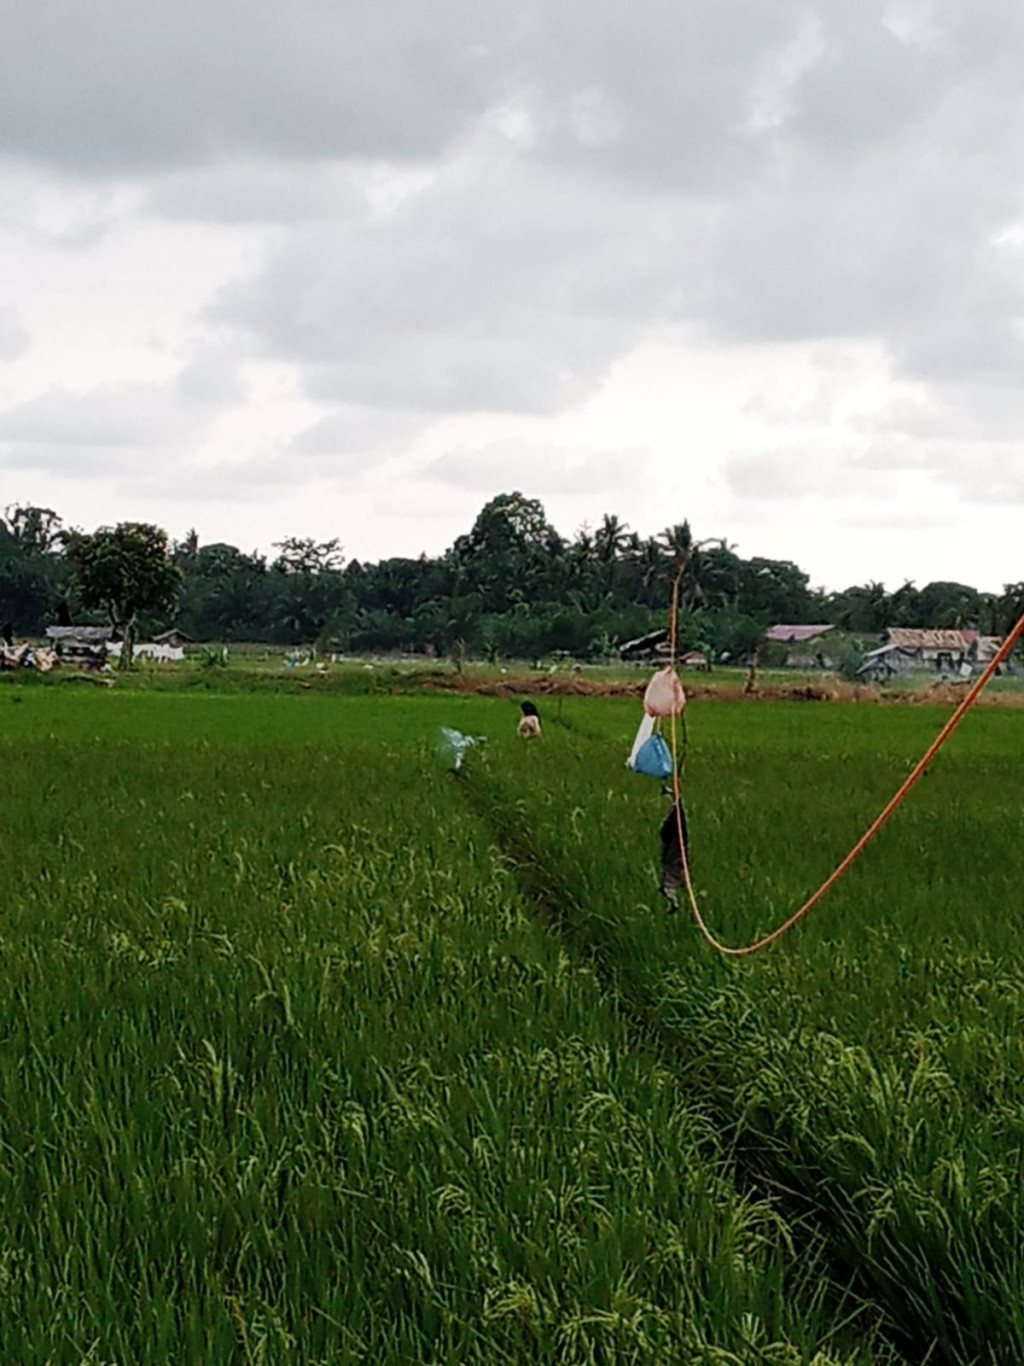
[{"x": 654, "y": 758}]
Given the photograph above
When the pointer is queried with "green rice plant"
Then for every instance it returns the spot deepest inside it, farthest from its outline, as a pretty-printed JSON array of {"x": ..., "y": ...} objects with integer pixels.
[
  {"x": 869, "y": 1063},
  {"x": 292, "y": 1071}
]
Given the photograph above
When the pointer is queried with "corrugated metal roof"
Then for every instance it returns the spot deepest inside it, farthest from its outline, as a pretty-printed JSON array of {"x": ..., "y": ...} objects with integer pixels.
[
  {"x": 912, "y": 638},
  {"x": 89, "y": 633},
  {"x": 646, "y": 642},
  {"x": 883, "y": 650},
  {"x": 790, "y": 634}
]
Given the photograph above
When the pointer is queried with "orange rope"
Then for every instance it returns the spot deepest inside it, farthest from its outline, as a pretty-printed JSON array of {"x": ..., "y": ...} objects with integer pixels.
[{"x": 947, "y": 730}]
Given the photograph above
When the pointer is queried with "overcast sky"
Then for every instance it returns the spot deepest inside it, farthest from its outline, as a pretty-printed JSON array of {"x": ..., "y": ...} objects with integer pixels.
[{"x": 351, "y": 267}]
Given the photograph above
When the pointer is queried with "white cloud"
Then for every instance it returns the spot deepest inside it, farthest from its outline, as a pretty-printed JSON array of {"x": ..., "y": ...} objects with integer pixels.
[
  {"x": 115, "y": 427},
  {"x": 545, "y": 471},
  {"x": 15, "y": 337},
  {"x": 353, "y": 431}
]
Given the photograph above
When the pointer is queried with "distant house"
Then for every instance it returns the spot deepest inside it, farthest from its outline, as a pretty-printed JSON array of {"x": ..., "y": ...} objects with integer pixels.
[
  {"x": 886, "y": 662},
  {"x": 174, "y": 638},
  {"x": 88, "y": 635},
  {"x": 650, "y": 646},
  {"x": 695, "y": 659},
  {"x": 795, "y": 635},
  {"x": 984, "y": 647},
  {"x": 808, "y": 658},
  {"x": 945, "y": 652},
  {"x": 85, "y": 646},
  {"x": 656, "y": 648}
]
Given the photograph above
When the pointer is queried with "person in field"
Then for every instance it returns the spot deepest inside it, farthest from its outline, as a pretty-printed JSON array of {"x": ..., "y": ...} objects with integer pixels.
[{"x": 529, "y": 722}]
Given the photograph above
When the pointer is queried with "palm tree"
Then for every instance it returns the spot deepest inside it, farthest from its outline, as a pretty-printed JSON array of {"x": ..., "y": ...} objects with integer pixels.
[
  {"x": 610, "y": 537},
  {"x": 677, "y": 540},
  {"x": 654, "y": 568},
  {"x": 609, "y": 541}
]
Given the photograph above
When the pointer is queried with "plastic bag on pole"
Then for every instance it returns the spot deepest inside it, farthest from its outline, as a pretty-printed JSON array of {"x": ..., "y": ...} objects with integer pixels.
[
  {"x": 664, "y": 695},
  {"x": 644, "y": 732},
  {"x": 654, "y": 759},
  {"x": 453, "y": 745}
]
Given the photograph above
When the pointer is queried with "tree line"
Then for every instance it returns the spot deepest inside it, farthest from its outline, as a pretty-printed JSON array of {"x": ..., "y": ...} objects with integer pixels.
[{"x": 511, "y": 587}]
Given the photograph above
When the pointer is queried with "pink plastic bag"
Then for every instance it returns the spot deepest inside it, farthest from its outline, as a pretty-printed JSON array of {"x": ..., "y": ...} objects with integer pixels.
[{"x": 664, "y": 695}]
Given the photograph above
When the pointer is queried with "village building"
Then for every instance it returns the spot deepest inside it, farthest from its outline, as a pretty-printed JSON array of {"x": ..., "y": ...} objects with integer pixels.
[
  {"x": 806, "y": 655},
  {"x": 647, "y": 648},
  {"x": 695, "y": 659},
  {"x": 174, "y": 638},
  {"x": 85, "y": 646},
  {"x": 656, "y": 648},
  {"x": 911, "y": 649}
]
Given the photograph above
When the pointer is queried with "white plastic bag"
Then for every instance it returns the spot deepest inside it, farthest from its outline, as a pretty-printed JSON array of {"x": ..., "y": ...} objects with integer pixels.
[
  {"x": 642, "y": 735},
  {"x": 664, "y": 695},
  {"x": 454, "y": 745}
]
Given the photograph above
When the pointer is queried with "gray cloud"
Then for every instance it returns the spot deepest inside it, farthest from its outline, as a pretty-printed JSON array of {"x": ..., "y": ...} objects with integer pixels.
[
  {"x": 117, "y": 88},
  {"x": 496, "y": 286},
  {"x": 111, "y": 417},
  {"x": 257, "y": 191},
  {"x": 793, "y": 472},
  {"x": 352, "y": 432},
  {"x": 211, "y": 378},
  {"x": 467, "y": 208},
  {"x": 115, "y": 427},
  {"x": 246, "y": 481},
  {"x": 977, "y": 472},
  {"x": 547, "y": 471},
  {"x": 54, "y": 211},
  {"x": 823, "y": 183}
]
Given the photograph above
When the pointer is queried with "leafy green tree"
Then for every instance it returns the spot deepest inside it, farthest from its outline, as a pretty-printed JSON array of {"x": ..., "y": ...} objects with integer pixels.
[
  {"x": 125, "y": 570},
  {"x": 33, "y": 567},
  {"x": 774, "y": 589},
  {"x": 866, "y": 610},
  {"x": 737, "y": 637},
  {"x": 948, "y": 606},
  {"x": 225, "y": 594},
  {"x": 512, "y": 545},
  {"x": 34, "y": 530},
  {"x": 849, "y": 658},
  {"x": 303, "y": 555},
  {"x": 1011, "y": 606},
  {"x": 904, "y": 608}
]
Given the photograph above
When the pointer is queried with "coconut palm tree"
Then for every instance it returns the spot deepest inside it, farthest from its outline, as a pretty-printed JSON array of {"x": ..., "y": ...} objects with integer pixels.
[
  {"x": 610, "y": 537},
  {"x": 677, "y": 540}
]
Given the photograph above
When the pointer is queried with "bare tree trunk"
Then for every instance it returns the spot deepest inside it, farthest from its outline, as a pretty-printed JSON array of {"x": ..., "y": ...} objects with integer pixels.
[
  {"x": 127, "y": 645},
  {"x": 751, "y": 682}
]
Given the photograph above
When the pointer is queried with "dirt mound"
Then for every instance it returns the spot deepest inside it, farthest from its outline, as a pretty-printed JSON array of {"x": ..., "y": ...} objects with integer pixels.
[
  {"x": 573, "y": 685},
  {"x": 828, "y": 690}
]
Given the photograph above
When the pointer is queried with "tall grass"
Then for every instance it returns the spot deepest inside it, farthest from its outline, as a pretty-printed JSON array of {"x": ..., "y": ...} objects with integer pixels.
[
  {"x": 871, "y": 1062},
  {"x": 292, "y": 1072}
]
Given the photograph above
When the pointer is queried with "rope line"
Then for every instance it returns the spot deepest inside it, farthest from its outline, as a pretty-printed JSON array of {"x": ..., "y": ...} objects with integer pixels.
[{"x": 904, "y": 788}]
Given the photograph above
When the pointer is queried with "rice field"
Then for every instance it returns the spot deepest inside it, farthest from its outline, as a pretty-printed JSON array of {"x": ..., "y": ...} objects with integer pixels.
[{"x": 315, "y": 1052}]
